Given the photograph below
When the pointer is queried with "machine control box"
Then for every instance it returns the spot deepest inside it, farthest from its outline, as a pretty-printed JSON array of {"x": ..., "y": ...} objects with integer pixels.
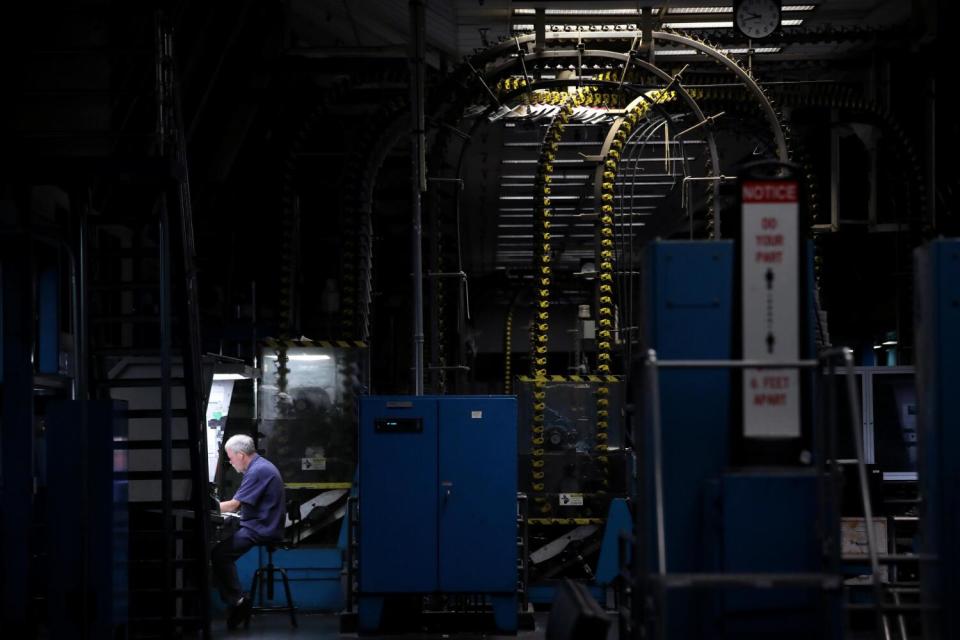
[{"x": 398, "y": 425}]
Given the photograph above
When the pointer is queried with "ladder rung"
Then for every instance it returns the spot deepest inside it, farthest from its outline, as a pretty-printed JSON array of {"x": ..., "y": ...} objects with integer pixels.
[
  {"x": 154, "y": 505},
  {"x": 189, "y": 533},
  {"x": 894, "y": 608},
  {"x": 140, "y": 445},
  {"x": 154, "y": 562},
  {"x": 127, "y": 352},
  {"x": 152, "y": 413},
  {"x": 145, "y": 318},
  {"x": 125, "y": 252},
  {"x": 890, "y": 559},
  {"x": 139, "y": 382},
  {"x": 131, "y": 285},
  {"x": 160, "y": 619},
  {"x": 177, "y": 474},
  {"x": 114, "y": 220},
  {"x": 155, "y": 590}
]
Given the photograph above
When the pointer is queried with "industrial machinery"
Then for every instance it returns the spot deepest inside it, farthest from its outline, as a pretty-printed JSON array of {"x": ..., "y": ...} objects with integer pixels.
[
  {"x": 307, "y": 427},
  {"x": 737, "y": 529},
  {"x": 437, "y": 506},
  {"x": 571, "y": 493},
  {"x": 724, "y": 530}
]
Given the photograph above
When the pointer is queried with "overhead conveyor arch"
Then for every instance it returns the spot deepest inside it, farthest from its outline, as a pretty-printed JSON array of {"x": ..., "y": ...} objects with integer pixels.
[{"x": 474, "y": 82}]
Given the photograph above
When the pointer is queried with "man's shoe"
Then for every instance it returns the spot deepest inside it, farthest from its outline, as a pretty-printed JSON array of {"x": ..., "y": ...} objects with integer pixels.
[
  {"x": 246, "y": 608},
  {"x": 238, "y": 613}
]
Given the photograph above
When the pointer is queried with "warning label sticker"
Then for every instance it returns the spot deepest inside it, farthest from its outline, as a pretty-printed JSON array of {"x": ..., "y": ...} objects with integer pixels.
[
  {"x": 314, "y": 463},
  {"x": 571, "y": 499}
]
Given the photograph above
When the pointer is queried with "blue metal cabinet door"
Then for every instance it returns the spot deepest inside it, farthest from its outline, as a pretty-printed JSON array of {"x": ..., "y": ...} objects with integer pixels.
[
  {"x": 398, "y": 495},
  {"x": 478, "y": 494}
]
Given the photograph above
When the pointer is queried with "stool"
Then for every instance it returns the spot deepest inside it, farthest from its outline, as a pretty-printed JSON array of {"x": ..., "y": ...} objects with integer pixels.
[{"x": 264, "y": 575}]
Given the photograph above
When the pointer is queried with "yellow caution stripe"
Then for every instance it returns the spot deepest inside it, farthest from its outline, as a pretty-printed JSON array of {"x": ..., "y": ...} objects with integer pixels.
[
  {"x": 318, "y": 485},
  {"x": 326, "y": 344},
  {"x": 587, "y": 378},
  {"x": 565, "y": 521}
]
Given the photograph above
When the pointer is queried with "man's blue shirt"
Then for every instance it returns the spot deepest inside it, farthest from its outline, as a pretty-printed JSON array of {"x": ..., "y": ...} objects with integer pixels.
[{"x": 261, "y": 496}]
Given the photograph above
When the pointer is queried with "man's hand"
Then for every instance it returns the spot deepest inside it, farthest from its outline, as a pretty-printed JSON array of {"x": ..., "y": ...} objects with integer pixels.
[{"x": 230, "y": 506}]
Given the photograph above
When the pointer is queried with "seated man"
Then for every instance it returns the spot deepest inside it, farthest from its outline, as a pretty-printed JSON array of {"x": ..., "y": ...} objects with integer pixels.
[{"x": 260, "y": 501}]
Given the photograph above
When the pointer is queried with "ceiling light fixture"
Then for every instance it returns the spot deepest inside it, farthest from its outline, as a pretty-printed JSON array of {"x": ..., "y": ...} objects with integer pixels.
[
  {"x": 721, "y": 24},
  {"x": 708, "y": 10}
]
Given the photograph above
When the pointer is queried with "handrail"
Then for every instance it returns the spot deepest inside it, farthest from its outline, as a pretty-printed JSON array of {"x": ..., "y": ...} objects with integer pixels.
[{"x": 828, "y": 358}]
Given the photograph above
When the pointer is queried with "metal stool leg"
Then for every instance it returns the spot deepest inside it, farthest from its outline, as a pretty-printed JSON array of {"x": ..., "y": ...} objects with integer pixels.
[
  {"x": 270, "y": 570},
  {"x": 253, "y": 595},
  {"x": 286, "y": 587},
  {"x": 264, "y": 577}
]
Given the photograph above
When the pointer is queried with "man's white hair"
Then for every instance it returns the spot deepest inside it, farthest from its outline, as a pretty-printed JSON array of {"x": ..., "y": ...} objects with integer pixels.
[{"x": 240, "y": 443}]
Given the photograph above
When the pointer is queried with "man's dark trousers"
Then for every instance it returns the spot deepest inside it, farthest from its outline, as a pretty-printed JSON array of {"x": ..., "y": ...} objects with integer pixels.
[{"x": 224, "y": 560}]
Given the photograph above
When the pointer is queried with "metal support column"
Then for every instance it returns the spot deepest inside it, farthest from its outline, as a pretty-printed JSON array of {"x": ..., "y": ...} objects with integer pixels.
[{"x": 417, "y": 156}]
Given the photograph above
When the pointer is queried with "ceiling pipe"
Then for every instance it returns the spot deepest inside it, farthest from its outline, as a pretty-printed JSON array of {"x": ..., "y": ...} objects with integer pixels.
[{"x": 419, "y": 182}]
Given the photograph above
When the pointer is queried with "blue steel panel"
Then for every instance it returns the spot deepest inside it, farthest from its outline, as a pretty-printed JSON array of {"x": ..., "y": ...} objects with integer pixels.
[
  {"x": 16, "y": 434},
  {"x": 477, "y": 494},
  {"x": 688, "y": 294},
  {"x": 768, "y": 527},
  {"x": 688, "y": 316},
  {"x": 937, "y": 324},
  {"x": 619, "y": 521},
  {"x": 89, "y": 537},
  {"x": 48, "y": 320},
  {"x": 688, "y": 289},
  {"x": 398, "y": 498}
]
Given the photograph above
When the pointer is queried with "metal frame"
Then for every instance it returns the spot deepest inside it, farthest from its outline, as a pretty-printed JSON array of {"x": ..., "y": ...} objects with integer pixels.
[
  {"x": 865, "y": 375},
  {"x": 663, "y": 580}
]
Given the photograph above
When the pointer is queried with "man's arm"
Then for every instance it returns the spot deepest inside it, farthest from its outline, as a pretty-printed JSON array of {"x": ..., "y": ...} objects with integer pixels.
[{"x": 230, "y": 505}]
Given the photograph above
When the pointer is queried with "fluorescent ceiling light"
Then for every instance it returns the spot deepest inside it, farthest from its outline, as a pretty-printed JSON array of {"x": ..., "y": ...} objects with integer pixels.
[
  {"x": 744, "y": 50},
  {"x": 591, "y": 12},
  {"x": 721, "y": 24},
  {"x": 700, "y": 10},
  {"x": 578, "y": 12},
  {"x": 229, "y": 376},
  {"x": 690, "y": 52},
  {"x": 706, "y": 10},
  {"x": 707, "y": 24},
  {"x": 303, "y": 356}
]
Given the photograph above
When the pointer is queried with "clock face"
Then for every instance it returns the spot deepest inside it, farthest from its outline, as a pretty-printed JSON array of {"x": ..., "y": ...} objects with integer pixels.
[{"x": 757, "y": 18}]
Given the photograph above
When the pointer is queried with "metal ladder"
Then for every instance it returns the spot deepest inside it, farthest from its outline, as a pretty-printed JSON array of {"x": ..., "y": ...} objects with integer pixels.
[
  {"x": 143, "y": 344},
  {"x": 652, "y": 588},
  {"x": 96, "y": 115}
]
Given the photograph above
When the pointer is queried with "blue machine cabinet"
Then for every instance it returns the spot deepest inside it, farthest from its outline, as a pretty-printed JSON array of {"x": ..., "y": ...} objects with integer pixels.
[
  {"x": 937, "y": 325},
  {"x": 438, "y": 496}
]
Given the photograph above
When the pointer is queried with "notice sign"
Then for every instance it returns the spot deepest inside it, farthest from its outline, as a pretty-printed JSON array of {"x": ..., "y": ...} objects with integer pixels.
[{"x": 770, "y": 282}]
